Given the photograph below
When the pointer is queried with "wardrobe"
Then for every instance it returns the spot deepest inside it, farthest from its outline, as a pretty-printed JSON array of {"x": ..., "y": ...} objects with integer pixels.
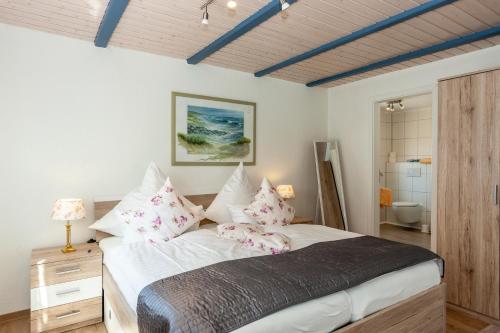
[{"x": 468, "y": 218}]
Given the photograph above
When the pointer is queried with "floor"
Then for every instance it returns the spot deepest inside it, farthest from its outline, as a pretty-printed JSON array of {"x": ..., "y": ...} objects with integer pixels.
[
  {"x": 456, "y": 322},
  {"x": 405, "y": 235}
]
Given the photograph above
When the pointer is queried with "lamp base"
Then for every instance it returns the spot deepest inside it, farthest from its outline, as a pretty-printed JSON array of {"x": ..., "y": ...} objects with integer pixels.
[{"x": 68, "y": 249}]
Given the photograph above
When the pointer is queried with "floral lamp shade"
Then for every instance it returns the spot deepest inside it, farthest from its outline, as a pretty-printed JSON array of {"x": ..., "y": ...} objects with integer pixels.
[
  {"x": 68, "y": 210},
  {"x": 286, "y": 191}
]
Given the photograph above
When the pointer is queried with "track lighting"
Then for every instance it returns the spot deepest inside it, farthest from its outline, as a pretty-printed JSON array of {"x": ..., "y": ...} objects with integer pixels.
[
  {"x": 204, "y": 19},
  {"x": 284, "y": 5},
  {"x": 391, "y": 108},
  {"x": 231, "y": 4}
]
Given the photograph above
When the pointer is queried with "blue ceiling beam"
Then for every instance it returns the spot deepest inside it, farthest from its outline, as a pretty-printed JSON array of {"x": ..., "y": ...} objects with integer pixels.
[
  {"x": 389, "y": 22},
  {"x": 262, "y": 15},
  {"x": 109, "y": 22},
  {"x": 473, "y": 37}
]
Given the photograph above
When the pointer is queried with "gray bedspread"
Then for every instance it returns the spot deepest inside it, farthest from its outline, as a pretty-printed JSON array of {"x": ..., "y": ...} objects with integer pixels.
[{"x": 228, "y": 295}]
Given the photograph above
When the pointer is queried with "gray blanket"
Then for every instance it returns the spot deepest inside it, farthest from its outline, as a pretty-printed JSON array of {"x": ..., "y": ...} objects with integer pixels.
[{"x": 228, "y": 295}]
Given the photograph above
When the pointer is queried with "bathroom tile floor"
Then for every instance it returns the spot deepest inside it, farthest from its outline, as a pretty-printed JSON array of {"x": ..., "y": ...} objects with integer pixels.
[{"x": 405, "y": 235}]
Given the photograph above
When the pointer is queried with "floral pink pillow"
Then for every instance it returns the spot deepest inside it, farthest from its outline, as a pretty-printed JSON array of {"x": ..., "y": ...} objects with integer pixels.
[
  {"x": 268, "y": 208},
  {"x": 162, "y": 218},
  {"x": 238, "y": 231},
  {"x": 269, "y": 242},
  {"x": 253, "y": 237}
]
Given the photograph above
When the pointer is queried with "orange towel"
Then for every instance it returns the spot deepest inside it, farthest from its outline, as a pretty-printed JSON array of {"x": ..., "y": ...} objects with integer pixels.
[
  {"x": 385, "y": 197},
  {"x": 426, "y": 161}
]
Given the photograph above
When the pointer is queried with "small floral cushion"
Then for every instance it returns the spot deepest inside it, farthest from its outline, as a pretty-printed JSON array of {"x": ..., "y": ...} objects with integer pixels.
[
  {"x": 238, "y": 231},
  {"x": 268, "y": 208},
  {"x": 269, "y": 242},
  {"x": 162, "y": 218}
]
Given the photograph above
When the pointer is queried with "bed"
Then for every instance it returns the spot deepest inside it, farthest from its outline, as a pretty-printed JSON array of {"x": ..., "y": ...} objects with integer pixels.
[{"x": 407, "y": 300}]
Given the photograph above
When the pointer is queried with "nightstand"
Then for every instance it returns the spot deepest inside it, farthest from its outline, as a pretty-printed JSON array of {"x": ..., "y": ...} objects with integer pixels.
[
  {"x": 66, "y": 288},
  {"x": 302, "y": 220}
]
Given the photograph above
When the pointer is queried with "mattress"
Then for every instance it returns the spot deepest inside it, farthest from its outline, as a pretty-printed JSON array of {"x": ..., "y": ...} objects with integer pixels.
[{"x": 134, "y": 266}]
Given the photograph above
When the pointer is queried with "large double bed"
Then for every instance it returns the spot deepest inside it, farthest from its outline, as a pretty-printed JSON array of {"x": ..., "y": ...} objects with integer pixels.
[{"x": 406, "y": 300}]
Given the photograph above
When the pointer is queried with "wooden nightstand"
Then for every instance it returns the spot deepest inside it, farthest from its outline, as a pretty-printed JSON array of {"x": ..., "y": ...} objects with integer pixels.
[
  {"x": 302, "y": 220},
  {"x": 66, "y": 288}
]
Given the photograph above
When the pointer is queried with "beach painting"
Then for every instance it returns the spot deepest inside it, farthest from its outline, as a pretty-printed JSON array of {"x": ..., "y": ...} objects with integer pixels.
[{"x": 212, "y": 131}]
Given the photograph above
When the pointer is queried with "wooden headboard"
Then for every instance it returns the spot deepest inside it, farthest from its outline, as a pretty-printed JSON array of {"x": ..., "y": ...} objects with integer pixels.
[{"x": 101, "y": 208}]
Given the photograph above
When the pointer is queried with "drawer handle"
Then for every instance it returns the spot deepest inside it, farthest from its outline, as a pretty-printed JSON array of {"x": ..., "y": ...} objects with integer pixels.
[
  {"x": 68, "y": 291},
  {"x": 68, "y": 314},
  {"x": 68, "y": 270}
]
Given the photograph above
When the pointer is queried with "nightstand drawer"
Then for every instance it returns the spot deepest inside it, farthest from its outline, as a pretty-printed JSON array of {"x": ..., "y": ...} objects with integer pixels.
[
  {"x": 64, "y": 293},
  {"x": 65, "y": 271},
  {"x": 84, "y": 312}
]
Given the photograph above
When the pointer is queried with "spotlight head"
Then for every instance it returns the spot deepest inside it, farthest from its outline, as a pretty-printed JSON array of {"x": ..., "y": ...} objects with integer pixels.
[
  {"x": 401, "y": 105},
  {"x": 231, "y": 4},
  {"x": 284, "y": 5},
  {"x": 204, "y": 19}
]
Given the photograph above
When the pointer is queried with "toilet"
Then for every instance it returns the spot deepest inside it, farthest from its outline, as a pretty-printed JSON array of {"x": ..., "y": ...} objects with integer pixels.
[{"x": 407, "y": 212}]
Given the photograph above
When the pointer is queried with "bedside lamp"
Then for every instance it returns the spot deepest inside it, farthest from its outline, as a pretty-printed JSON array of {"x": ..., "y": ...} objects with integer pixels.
[
  {"x": 286, "y": 191},
  {"x": 68, "y": 210}
]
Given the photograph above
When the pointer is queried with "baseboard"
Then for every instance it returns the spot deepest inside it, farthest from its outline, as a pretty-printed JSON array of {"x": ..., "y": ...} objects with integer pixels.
[
  {"x": 401, "y": 225},
  {"x": 22, "y": 314},
  {"x": 477, "y": 315}
]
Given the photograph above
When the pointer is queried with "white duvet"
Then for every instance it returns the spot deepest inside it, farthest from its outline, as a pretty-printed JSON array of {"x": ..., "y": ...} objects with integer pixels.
[{"x": 134, "y": 266}]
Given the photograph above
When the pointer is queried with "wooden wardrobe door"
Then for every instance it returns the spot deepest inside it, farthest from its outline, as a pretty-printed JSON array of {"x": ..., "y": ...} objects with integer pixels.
[{"x": 468, "y": 169}]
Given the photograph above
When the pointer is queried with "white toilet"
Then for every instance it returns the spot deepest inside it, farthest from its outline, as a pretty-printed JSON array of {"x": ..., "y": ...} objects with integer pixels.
[{"x": 407, "y": 212}]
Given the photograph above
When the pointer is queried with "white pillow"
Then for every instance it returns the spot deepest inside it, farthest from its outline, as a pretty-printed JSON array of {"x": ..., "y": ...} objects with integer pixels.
[
  {"x": 163, "y": 217},
  {"x": 269, "y": 208},
  {"x": 238, "y": 215},
  {"x": 151, "y": 183},
  {"x": 153, "y": 180},
  {"x": 237, "y": 191}
]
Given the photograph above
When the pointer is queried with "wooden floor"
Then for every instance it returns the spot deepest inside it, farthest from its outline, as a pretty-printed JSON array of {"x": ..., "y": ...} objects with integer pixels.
[
  {"x": 405, "y": 235},
  {"x": 456, "y": 322}
]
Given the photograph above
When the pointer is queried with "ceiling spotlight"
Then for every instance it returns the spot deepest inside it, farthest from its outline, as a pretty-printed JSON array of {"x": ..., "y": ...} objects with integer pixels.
[
  {"x": 204, "y": 19},
  {"x": 284, "y": 5},
  {"x": 401, "y": 106},
  {"x": 231, "y": 4}
]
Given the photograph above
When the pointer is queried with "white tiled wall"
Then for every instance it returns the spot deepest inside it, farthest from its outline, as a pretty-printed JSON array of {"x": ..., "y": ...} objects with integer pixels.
[
  {"x": 409, "y": 134},
  {"x": 412, "y": 134},
  {"x": 405, "y": 188}
]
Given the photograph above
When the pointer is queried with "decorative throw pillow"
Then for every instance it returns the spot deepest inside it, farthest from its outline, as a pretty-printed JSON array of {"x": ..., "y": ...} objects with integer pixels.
[
  {"x": 238, "y": 231},
  {"x": 237, "y": 191},
  {"x": 238, "y": 216},
  {"x": 151, "y": 183},
  {"x": 268, "y": 208},
  {"x": 269, "y": 242},
  {"x": 162, "y": 218}
]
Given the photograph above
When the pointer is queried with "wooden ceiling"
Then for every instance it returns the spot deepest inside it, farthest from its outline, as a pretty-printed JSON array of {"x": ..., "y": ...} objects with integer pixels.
[{"x": 173, "y": 28}]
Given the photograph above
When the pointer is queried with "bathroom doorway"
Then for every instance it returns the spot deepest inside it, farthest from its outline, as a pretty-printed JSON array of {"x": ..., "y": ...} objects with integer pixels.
[{"x": 405, "y": 169}]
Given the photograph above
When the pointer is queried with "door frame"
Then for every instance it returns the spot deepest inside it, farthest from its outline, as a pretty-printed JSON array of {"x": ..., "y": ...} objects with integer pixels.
[{"x": 375, "y": 114}]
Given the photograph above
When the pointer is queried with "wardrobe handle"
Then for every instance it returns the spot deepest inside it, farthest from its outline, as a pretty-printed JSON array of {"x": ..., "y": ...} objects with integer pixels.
[{"x": 495, "y": 195}]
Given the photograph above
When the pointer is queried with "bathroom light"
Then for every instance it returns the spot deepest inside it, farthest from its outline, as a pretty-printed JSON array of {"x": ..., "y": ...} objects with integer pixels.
[
  {"x": 284, "y": 5},
  {"x": 204, "y": 19},
  {"x": 231, "y": 4},
  {"x": 401, "y": 106}
]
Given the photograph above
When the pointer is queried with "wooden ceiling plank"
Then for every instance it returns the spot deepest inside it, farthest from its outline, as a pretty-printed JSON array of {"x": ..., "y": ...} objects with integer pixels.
[
  {"x": 410, "y": 55},
  {"x": 262, "y": 15},
  {"x": 381, "y": 25}
]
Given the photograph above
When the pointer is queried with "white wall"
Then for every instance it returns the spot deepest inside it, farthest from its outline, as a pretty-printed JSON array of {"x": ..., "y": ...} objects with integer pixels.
[
  {"x": 80, "y": 121},
  {"x": 351, "y": 117}
]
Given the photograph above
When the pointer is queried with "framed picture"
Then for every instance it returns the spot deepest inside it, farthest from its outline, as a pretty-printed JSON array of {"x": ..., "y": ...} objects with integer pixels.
[{"x": 212, "y": 131}]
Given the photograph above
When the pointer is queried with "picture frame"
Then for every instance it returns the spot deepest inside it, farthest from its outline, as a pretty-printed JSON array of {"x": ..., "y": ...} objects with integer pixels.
[{"x": 212, "y": 131}]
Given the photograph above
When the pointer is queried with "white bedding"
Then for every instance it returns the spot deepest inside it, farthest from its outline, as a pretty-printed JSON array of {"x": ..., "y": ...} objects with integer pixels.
[{"x": 134, "y": 266}]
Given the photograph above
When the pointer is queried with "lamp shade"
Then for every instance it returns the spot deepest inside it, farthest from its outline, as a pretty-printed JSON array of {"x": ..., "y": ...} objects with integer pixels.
[
  {"x": 286, "y": 191},
  {"x": 68, "y": 210}
]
